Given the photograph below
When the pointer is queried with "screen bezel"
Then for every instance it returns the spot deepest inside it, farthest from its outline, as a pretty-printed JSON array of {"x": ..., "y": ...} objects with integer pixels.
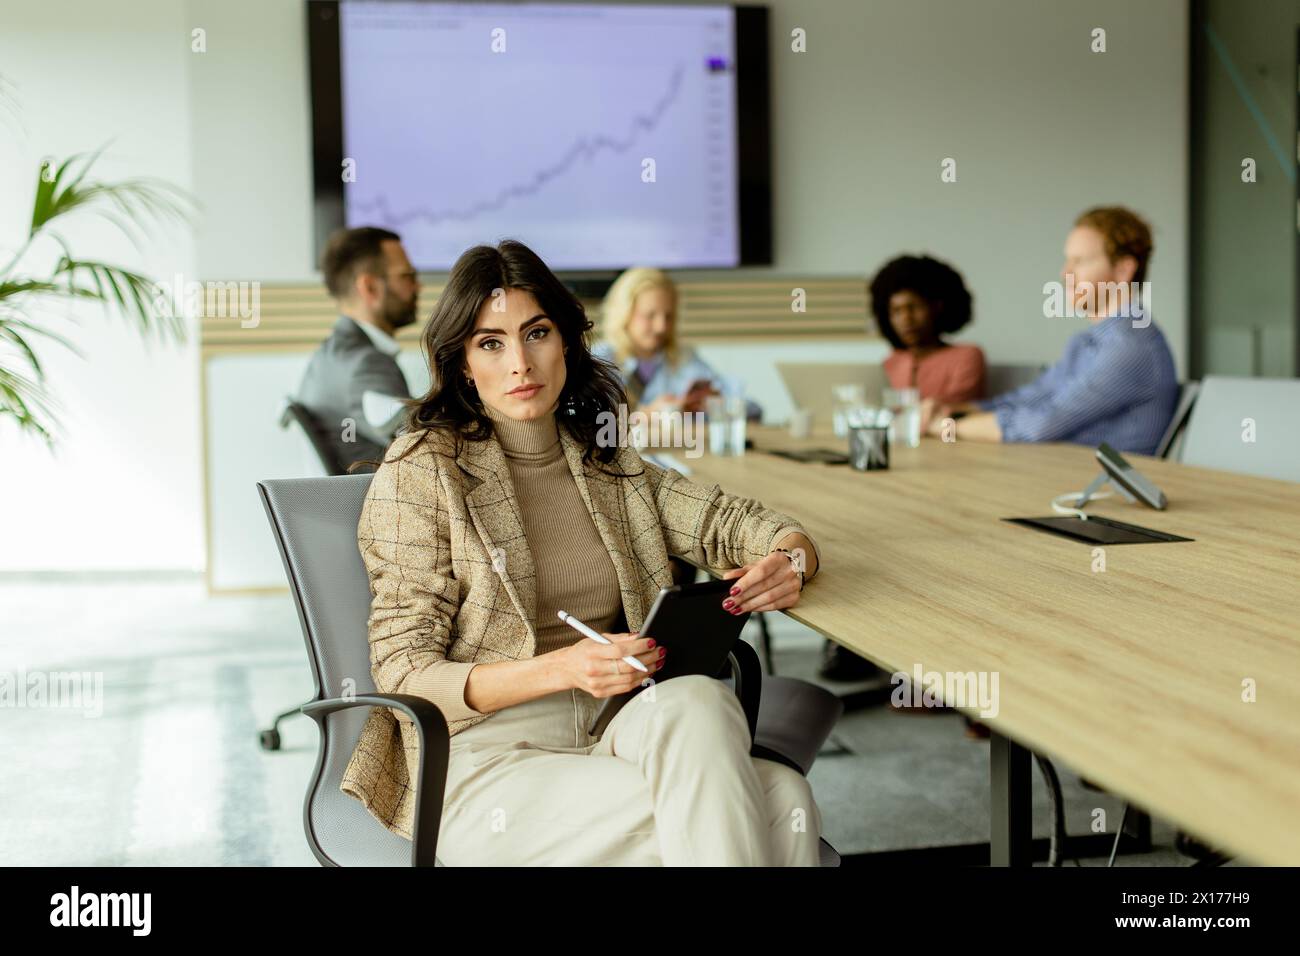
[{"x": 753, "y": 138}]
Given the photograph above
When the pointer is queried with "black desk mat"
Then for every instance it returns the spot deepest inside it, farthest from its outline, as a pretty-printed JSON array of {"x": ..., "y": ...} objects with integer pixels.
[{"x": 1097, "y": 530}]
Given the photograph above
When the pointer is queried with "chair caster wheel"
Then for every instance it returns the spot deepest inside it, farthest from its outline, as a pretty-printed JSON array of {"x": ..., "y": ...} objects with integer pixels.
[{"x": 269, "y": 739}]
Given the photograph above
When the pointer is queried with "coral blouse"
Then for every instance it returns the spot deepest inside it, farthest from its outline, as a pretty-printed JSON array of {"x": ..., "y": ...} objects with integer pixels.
[{"x": 954, "y": 373}]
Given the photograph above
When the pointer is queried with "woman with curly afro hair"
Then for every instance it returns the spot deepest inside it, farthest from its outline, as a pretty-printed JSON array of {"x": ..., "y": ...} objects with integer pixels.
[{"x": 916, "y": 301}]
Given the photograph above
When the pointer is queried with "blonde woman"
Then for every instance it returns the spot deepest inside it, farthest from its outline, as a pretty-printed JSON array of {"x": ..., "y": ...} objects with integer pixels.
[{"x": 639, "y": 318}]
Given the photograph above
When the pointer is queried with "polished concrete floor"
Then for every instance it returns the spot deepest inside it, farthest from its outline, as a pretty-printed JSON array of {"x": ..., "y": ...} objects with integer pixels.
[{"x": 164, "y": 767}]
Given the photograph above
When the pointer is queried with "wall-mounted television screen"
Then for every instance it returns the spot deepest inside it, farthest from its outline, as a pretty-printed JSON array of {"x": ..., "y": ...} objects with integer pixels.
[{"x": 601, "y": 135}]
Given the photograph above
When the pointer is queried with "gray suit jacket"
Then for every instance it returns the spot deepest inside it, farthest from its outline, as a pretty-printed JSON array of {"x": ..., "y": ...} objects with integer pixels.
[{"x": 342, "y": 370}]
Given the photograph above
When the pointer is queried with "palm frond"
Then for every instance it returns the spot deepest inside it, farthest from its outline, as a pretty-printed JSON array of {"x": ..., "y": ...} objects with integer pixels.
[
  {"x": 12, "y": 288},
  {"x": 10, "y": 333},
  {"x": 129, "y": 204},
  {"x": 9, "y": 102},
  {"x": 26, "y": 401},
  {"x": 20, "y": 322},
  {"x": 128, "y": 293},
  {"x": 132, "y": 206}
]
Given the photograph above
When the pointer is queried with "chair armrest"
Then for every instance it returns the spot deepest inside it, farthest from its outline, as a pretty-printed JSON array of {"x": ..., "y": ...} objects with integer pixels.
[
  {"x": 748, "y": 675},
  {"x": 435, "y": 741},
  {"x": 683, "y": 571}
]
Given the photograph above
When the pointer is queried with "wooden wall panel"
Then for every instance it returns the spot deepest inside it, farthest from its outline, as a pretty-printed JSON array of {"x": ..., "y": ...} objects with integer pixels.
[{"x": 300, "y": 315}]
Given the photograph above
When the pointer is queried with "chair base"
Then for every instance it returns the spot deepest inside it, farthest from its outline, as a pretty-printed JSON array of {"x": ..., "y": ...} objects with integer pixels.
[{"x": 269, "y": 739}]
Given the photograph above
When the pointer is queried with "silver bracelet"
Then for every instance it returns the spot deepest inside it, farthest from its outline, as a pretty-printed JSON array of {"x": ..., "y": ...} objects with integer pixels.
[{"x": 794, "y": 563}]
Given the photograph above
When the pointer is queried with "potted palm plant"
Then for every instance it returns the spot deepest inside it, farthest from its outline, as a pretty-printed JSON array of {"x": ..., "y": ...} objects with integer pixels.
[{"x": 42, "y": 276}]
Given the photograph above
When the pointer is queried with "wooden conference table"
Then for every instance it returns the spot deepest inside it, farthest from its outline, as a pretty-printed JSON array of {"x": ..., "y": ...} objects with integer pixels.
[{"x": 1133, "y": 676}]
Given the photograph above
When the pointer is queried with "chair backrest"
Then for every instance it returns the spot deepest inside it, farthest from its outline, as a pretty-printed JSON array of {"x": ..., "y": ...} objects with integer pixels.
[
  {"x": 1246, "y": 425},
  {"x": 311, "y": 427},
  {"x": 1187, "y": 393},
  {"x": 315, "y": 525},
  {"x": 1004, "y": 378}
]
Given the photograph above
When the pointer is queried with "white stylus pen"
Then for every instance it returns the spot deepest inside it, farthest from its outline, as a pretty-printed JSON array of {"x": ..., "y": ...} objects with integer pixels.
[{"x": 581, "y": 628}]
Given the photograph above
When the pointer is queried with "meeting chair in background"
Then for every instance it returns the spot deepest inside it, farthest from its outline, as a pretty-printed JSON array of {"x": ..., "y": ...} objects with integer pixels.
[
  {"x": 1170, "y": 443},
  {"x": 297, "y": 413},
  {"x": 314, "y": 521},
  {"x": 1246, "y": 425}
]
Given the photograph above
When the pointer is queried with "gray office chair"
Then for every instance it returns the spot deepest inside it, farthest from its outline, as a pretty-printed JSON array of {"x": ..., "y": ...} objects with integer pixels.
[
  {"x": 314, "y": 521},
  {"x": 311, "y": 427},
  {"x": 297, "y": 413},
  {"x": 1216, "y": 435},
  {"x": 1004, "y": 378},
  {"x": 1170, "y": 445}
]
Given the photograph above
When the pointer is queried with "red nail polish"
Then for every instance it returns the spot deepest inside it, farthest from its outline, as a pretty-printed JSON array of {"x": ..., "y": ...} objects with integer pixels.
[
  {"x": 735, "y": 590},
  {"x": 652, "y": 642},
  {"x": 728, "y": 604}
]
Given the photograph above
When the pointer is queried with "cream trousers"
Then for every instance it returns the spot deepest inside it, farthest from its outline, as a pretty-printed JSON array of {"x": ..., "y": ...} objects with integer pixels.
[{"x": 669, "y": 783}]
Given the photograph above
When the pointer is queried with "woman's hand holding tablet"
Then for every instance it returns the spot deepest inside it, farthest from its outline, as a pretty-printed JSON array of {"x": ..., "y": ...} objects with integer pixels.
[{"x": 690, "y": 621}]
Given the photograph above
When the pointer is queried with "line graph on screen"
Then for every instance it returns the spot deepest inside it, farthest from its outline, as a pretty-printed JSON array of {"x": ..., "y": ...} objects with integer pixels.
[
  {"x": 601, "y": 136},
  {"x": 585, "y": 147}
]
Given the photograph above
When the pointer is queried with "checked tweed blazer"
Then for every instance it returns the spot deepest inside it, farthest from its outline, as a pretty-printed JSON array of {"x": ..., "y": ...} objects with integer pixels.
[{"x": 432, "y": 524}]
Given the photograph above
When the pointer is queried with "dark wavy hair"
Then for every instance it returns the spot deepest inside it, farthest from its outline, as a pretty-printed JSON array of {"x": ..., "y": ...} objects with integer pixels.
[
  {"x": 938, "y": 283},
  {"x": 591, "y": 385}
]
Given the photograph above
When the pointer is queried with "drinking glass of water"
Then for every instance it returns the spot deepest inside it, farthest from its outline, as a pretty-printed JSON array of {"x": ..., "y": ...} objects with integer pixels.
[
  {"x": 726, "y": 413},
  {"x": 719, "y": 416},
  {"x": 847, "y": 397},
  {"x": 905, "y": 403}
]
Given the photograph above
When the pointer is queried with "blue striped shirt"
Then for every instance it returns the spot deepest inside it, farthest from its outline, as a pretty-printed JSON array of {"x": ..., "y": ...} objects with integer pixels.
[{"x": 1115, "y": 384}]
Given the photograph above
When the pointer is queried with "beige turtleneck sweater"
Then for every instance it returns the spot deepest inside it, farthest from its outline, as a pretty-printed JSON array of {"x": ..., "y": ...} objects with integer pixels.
[{"x": 573, "y": 569}]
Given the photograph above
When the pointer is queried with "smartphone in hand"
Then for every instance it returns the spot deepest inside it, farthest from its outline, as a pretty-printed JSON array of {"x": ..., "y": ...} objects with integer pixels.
[{"x": 693, "y": 398}]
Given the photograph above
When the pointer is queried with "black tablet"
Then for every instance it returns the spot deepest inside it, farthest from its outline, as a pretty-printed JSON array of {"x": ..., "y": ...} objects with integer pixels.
[{"x": 690, "y": 621}]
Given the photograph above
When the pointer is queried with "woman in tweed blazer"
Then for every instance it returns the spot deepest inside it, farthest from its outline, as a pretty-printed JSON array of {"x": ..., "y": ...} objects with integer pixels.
[{"x": 454, "y": 610}]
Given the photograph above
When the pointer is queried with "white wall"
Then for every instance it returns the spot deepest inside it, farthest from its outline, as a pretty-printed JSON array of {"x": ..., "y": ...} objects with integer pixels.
[
  {"x": 1039, "y": 126},
  {"x": 124, "y": 489},
  {"x": 252, "y": 140}
]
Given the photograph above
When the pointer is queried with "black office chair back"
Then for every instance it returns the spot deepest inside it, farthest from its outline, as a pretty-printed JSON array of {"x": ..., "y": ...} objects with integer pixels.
[
  {"x": 315, "y": 432},
  {"x": 315, "y": 525},
  {"x": 1187, "y": 394}
]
